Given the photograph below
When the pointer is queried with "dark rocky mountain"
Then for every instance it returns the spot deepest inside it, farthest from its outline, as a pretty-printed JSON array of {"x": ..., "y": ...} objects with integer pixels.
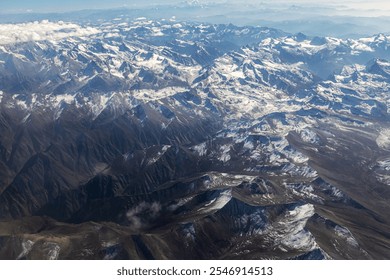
[{"x": 134, "y": 140}]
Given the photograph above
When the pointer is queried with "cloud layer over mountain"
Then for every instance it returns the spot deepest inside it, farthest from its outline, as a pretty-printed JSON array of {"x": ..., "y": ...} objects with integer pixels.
[{"x": 42, "y": 30}]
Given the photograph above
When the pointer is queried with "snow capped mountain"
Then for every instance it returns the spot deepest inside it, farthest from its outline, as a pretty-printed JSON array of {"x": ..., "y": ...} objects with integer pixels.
[{"x": 245, "y": 141}]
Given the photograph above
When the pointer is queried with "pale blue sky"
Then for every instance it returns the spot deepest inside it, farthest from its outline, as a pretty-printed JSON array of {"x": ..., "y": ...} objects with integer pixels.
[
  {"x": 66, "y": 5},
  {"x": 347, "y": 7},
  {"x": 51, "y": 5}
]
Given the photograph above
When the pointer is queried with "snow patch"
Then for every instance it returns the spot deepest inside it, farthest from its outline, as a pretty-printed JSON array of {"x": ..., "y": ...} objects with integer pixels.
[
  {"x": 344, "y": 233},
  {"x": 151, "y": 95},
  {"x": 67, "y": 98},
  {"x": 297, "y": 237},
  {"x": 253, "y": 223},
  {"x": 248, "y": 145},
  {"x": 217, "y": 203},
  {"x": 309, "y": 136},
  {"x": 25, "y": 119},
  {"x": 300, "y": 170},
  {"x": 384, "y": 164},
  {"x": 54, "y": 250},
  {"x": 26, "y": 248},
  {"x": 200, "y": 149},
  {"x": 383, "y": 139},
  {"x": 225, "y": 153},
  {"x": 158, "y": 155}
]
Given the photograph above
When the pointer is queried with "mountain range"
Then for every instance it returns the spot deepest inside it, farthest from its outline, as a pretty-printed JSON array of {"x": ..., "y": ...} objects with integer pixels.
[{"x": 134, "y": 139}]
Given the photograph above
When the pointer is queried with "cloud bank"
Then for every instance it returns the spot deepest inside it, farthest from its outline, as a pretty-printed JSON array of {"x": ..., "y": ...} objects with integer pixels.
[{"x": 42, "y": 30}]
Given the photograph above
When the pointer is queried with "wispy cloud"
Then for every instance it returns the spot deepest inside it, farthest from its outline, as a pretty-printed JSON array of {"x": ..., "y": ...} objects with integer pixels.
[
  {"x": 42, "y": 30},
  {"x": 139, "y": 215}
]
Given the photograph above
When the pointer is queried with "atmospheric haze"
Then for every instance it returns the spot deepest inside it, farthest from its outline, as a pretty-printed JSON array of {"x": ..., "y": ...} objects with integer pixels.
[{"x": 346, "y": 19}]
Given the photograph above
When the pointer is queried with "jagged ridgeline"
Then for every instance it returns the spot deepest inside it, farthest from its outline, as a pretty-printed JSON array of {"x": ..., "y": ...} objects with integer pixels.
[{"x": 136, "y": 139}]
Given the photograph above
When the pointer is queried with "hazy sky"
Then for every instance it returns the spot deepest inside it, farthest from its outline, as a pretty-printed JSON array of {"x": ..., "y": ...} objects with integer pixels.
[
  {"x": 320, "y": 17},
  {"x": 359, "y": 7}
]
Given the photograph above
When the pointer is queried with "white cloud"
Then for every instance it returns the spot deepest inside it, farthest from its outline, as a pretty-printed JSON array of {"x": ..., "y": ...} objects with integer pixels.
[
  {"x": 42, "y": 30},
  {"x": 139, "y": 215}
]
